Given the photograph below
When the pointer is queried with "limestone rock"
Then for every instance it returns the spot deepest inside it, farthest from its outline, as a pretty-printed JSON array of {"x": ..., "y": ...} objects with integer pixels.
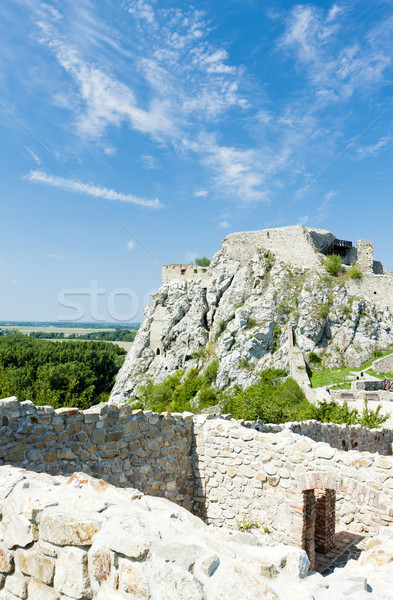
[
  {"x": 239, "y": 310},
  {"x": 66, "y": 530},
  {"x": 34, "y": 564},
  {"x": 72, "y": 577}
]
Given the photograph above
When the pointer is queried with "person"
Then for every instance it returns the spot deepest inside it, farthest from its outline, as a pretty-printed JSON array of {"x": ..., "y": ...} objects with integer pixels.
[{"x": 327, "y": 389}]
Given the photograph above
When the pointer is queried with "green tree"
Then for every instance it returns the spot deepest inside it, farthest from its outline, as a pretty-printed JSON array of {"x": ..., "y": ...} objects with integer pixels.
[{"x": 202, "y": 262}]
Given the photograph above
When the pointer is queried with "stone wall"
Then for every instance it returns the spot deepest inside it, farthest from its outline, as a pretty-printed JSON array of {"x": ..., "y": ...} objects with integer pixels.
[
  {"x": 361, "y": 395},
  {"x": 295, "y": 245},
  {"x": 384, "y": 364},
  {"x": 223, "y": 470},
  {"x": 375, "y": 288},
  {"x": 124, "y": 447},
  {"x": 365, "y": 255},
  {"x": 185, "y": 273},
  {"x": 342, "y": 437},
  {"x": 262, "y": 476}
]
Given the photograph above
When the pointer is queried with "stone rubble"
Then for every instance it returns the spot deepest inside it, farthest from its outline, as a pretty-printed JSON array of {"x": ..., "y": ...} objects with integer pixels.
[{"x": 91, "y": 540}]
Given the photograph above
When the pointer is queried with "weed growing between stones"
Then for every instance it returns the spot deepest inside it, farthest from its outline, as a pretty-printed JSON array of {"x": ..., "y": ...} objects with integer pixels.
[{"x": 245, "y": 524}]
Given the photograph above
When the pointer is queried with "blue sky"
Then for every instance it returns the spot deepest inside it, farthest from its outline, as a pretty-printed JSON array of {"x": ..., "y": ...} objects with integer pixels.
[{"x": 138, "y": 133}]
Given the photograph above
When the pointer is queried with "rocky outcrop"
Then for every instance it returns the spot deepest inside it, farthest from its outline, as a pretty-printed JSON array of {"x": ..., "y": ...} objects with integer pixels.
[
  {"x": 80, "y": 538},
  {"x": 239, "y": 311}
]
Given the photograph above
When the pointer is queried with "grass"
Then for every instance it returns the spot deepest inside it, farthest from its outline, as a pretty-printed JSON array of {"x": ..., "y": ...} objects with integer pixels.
[
  {"x": 379, "y": 375},
  {"x": 337, "y": 378},
  {"x": 331, "y": 377},
  {"x": 377, "y": 354}
]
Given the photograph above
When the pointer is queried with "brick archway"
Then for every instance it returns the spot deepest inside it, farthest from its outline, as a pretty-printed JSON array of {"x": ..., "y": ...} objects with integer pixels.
[{"x": 312, "y": 508}]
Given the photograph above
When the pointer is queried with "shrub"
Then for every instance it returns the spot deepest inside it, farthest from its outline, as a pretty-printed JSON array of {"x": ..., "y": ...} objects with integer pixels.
[
  {"x": 332, "y": 412},
  {"x": 202, "y": 262},
  {"x": 271, "y": 400},
  {"x": 354, "y": 272},
  {"x": 211, "y": 371},
  {"x": 333, "y": 265},
  {"x": 313, "y": 357}
]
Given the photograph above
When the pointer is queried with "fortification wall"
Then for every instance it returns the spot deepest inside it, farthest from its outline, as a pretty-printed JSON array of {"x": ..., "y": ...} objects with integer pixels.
[
  {"x": 185, "y": 273},
  {"x": 296, "y": 245},
  {"x": 376, "y": 288},
  {"x": 124, "y": 447}
]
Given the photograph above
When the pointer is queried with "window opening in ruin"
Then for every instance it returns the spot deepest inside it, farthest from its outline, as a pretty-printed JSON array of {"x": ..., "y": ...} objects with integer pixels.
[
  {"x": 375, "y": 292},
  {"x": 319, "y": 517},
  {"x": 195, "y": 270},
  {"x": 158, "y": 352},
  {"x": 182, "y": 272}
]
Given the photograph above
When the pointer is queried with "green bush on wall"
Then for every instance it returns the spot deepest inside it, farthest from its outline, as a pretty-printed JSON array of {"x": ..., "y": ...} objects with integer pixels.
[{"x": 333, "y": 265}]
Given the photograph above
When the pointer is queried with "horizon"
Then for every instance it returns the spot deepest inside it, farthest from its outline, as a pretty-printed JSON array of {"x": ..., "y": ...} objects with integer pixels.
[{"x": 142, "y": 134}]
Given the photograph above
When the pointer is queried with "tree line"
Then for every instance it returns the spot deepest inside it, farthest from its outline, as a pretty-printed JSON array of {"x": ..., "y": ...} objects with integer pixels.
[{"x": 66, "y": 374}]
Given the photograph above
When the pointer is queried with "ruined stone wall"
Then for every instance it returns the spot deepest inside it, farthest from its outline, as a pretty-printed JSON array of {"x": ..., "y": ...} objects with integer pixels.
[
  {"x": 124, "y": 447},
  {"x": 365, "y": 255},
  {"x": 185, "y": 273},
  {"x": 375, "y": 288},
  {"x": 217, "y": 467},
  {"x": 262, "y": 476},
  {"x": 384, "y": 364},
  {"x": 342, "y": 437},
  {"x": 296, "y": 245}
]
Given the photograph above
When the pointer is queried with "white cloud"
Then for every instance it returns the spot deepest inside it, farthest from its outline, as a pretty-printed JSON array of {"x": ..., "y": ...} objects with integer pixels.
[
  {"x": 92, "y": 190},
  {"x": 303, "y": 220},
  {"x": 60, "y": 257},
  {"x": 130, "y": 245},
  {"x": 334, "y": 12},
  {"x": 149, "y": 162},
  {"x": 224, "y": 224},
  {"x": 201, "y": 193},
  {"x": 187, "y": 76},
  {"x": 239, "y": 174},
  {"x": 34, "y": 156},
  {"x": 335, "y": 65},
  {"x": 374, "y": 149},
  {"x": 142, "y": 10}
]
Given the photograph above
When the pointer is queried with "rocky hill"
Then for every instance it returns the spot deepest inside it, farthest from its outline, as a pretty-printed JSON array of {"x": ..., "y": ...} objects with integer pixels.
[{"x": 263, "y": 290}]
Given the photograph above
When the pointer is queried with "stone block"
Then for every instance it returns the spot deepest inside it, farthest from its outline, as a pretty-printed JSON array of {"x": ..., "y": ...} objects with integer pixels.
[
  {"x": 66, "y": 411},
  {"x": 130, "y": 545},
  {"x": 101, "y": 564},
  {"x": 34, "y": 564},
  {"x": 6, "y": 560},
  {"x": 15, "y": 527},
  {"x": 67, "y": 530},
  {"x": 17, "y": 584},
  {"x": 40, "y": 591},
  {"x": 72, "y": 577},
  {"x": 132, "y": 580},
  {"x": 11, "y": 402}
]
